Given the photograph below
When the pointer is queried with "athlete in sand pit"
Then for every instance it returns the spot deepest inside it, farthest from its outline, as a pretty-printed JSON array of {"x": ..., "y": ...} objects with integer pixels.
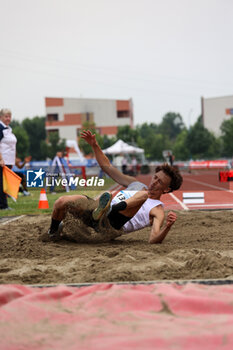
[{"x": 135, "y": 207}]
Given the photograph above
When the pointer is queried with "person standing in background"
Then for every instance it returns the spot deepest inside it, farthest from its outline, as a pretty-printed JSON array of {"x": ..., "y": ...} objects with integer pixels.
[
  {"x": 56, "y": 167},
  {"x": 7, "y": 151},
  {"x": 124, "y": 165},
  {"x": 134, "y": 165},
  {"x": 170, "y": 158}
]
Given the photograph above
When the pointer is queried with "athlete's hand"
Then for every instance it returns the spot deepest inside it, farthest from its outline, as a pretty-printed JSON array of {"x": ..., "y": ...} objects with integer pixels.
[
  {"x": 2, "y": 163},
  {"x": 89, "y": 138},
  {"x": 171, "y": 218}
]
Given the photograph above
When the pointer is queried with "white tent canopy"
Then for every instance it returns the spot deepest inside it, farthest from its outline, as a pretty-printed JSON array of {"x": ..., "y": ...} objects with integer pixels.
[{"x": 123, "y": 147}]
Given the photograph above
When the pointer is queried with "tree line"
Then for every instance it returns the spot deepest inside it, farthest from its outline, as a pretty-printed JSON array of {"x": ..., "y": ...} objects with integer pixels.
[{"x": 195, "y": 142}]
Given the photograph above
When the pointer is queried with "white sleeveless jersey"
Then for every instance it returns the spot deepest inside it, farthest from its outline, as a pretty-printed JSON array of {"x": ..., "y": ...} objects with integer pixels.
[
  {"x": 8, "y": 146},
  {"x": 142, "y": 217}
]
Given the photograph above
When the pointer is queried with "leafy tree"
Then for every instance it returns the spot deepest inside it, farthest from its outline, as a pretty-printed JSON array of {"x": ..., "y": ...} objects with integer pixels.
[
  {"x": 215, "y": 147},
  {"x": 126, "y": 134},
  {"x": 156, "y": 138},
  {"x": 108, "y": 141},
  {"x": 154, "y": 144},
  {"x": 54, "y": 145},
  {"x": 35, "y": 129},
  {"x": 172, "y": 124},
  {"x": 201, "y": 142},
  {"x": 227, "y": 137},
  {"x": 180, "y": 148},
  {"x": 158, "y": 144},
  {"x": 15, "y": 123},
  {"x": 197, "y": 142},
  {"x": 22, "y": 146},
  {"x": 83, "y": 144},
  {"x": 145, "y": 128}
]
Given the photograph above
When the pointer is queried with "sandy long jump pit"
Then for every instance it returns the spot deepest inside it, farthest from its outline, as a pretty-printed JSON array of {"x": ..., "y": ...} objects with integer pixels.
[{"x": 199, "y": 246}]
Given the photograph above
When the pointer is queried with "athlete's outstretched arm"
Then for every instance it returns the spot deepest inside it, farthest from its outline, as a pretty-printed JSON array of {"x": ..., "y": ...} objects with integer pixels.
[
  {"x": 104, "y": 162},
  {"x": 157, "y": 234}
]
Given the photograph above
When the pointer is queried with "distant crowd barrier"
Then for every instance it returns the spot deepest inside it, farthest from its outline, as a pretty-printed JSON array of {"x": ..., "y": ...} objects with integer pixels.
[
  {"x": 145, "y": 168},
  {"x": 208, "y": 164}
]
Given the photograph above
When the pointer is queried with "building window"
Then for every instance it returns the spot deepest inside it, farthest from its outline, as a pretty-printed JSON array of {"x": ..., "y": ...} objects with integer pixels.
[
  {"x": 122, "y": 114},
  {"x": 87, "y": 117},
  {"x": 52, "y": 117}
]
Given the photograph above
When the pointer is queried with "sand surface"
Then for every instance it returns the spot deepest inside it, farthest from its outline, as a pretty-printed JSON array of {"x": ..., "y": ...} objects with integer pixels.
[{"x": 199, "y": 246}]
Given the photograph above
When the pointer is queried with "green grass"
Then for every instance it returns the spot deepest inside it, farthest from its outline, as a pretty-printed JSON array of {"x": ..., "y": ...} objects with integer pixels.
[{"x": 29, "y": 205}]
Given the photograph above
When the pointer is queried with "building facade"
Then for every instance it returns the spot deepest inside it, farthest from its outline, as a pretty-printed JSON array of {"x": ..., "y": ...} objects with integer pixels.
[
  {"x": 215, "y": 110},
  {"x": 67, "y": 115}
]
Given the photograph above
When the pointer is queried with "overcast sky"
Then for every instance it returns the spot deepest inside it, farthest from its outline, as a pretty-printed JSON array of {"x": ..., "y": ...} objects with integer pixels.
[{"x": 164, "y": 54}]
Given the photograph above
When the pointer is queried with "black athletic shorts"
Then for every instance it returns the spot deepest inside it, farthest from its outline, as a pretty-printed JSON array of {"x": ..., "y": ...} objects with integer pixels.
[{"x": 116, "y": 219}]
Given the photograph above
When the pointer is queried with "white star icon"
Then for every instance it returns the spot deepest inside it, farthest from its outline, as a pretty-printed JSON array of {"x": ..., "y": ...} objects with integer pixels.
[{"x": 39, "y": 173}]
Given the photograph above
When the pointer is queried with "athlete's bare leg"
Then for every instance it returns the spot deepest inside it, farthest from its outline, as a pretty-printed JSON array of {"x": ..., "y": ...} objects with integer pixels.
[
  {"x": 62, "y": 203},
  {"x": 59, "y": 212}
]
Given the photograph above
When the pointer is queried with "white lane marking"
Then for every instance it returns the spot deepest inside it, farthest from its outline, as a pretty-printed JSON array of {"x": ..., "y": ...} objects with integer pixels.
[
  {"x": 11, "y": 220},
  {"x": 211, "y": 205},
  {"x": 209, "y": 185},
  {"x": 178, "y": 201}
]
